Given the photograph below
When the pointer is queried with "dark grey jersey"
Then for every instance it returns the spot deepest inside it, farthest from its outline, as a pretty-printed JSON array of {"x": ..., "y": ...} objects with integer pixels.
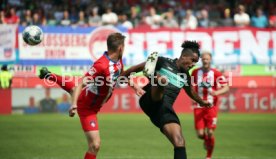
[{"x": 177, "y": 79}]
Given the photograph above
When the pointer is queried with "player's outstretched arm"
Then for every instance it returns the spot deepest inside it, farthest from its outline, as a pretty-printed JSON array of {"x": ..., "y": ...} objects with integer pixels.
[
  {"x": 224, "y": 89},
  {"x": 75, "y": 96},
  {"x": 138, "y": 90},
  {"x": 192, "y": 94},
  {"x": 133, "y": 69}
]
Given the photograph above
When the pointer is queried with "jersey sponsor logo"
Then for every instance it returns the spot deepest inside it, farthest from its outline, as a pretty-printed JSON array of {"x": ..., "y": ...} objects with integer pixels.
[
  {"x": 174, "y": 79},
  {"x": 91, "y": 87}
]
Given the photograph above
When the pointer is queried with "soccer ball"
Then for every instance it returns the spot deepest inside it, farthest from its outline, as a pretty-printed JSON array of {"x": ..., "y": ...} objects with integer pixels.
[{"x": 32, "y": 35}]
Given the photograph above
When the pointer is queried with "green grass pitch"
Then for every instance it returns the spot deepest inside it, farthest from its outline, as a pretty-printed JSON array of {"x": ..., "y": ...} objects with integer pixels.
[{"x": 132, "y": 136}]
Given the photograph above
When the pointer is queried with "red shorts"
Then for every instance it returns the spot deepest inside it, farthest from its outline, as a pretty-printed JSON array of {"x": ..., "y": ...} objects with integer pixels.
[
  {"x": 89, "y": 122},
  {"x": 205, "y": 118}
]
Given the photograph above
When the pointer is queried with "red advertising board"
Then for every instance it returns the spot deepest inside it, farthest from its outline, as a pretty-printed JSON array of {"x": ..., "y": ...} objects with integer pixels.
[{"x": 238, "y": 100}]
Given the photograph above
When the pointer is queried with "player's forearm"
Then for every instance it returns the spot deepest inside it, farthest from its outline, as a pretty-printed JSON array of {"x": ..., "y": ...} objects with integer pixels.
[
  {"x": 223, "y": 90},
  {"x": 136, "y": 68},
  {"x": 76, "y": 93},
  {"x": 192, "y": 94}
]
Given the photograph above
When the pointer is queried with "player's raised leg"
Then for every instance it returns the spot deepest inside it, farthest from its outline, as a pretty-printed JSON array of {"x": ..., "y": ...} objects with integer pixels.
[
  {"x": 157, "y": 81},
  {"x": 63, "y": 82},
  {"x": 173, "y": 132}
]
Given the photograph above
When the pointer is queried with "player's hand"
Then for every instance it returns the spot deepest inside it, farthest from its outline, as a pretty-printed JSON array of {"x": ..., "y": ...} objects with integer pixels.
[
  {"x": 139, "y": 91},
  {"x": 206, "y": 104},
  {"x": 72, "y": 110},
  {"x": 213, "y": 93}
]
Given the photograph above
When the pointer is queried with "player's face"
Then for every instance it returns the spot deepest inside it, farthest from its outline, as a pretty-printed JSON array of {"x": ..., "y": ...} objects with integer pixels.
[
  {"x": 206, "y": 61},
  {"x": 121, "y": 50},
  {"x": 188, "y": 62}
]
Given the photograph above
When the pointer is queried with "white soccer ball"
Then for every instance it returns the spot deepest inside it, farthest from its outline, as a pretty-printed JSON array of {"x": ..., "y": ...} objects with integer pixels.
[{"x": 32, "y": 35}]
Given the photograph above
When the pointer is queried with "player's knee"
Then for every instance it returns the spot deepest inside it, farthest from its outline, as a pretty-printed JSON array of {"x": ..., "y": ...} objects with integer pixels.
[
  {"x": 200, "y": 136},
  {"x": 94, "y": 147},
  {"x": 178, "y": 141},
  {"x": 210, "y": 132}
]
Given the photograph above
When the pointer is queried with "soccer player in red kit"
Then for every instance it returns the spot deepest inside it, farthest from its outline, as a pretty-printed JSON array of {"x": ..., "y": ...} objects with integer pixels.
[
  {"x": 208, "y": 83},
  {"x": 94, "y": 89}
]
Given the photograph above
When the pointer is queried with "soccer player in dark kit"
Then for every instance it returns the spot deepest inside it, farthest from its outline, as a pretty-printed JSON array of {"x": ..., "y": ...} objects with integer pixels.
[{"x": 167, "y": 77}]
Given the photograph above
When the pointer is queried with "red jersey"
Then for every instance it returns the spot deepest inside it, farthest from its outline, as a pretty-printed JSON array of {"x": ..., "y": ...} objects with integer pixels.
[
  {"x": 101, "y": 80},
  {"x": 207, "y": 82}
]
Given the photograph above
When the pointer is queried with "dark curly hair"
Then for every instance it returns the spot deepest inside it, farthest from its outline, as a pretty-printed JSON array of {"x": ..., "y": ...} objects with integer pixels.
[{"x": 190, "y": 45}]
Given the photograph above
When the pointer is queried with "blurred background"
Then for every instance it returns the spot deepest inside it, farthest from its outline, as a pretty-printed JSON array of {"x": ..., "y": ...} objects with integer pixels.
[{"x": 240, "y": 34}]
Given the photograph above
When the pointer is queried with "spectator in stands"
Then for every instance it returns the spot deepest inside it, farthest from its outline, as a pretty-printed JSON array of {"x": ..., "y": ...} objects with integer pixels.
[
  {"x": 203, "y": 19},
  {"x": 227, "y": 20},
  {"x": 47, "y": 105},
  {"x": 169, "y": 21},
  {"x": 2, "y": 16},
  {"x": 134, "y": 16},
  {"x": 65, "y": 21},
  {"x": 109, "y": 17},
  {"x": 82, "y": 22},
  {"x": 64, "y": 106},
  {"x": 241, "y": 18},
  {"x": 51, "y": 21},
  {"x": 259, "y": 20},
  {"x": 11, "y": 17},
  {"x": 58, "y": 14},
  {"x": 38, "y": 20},
  {"x": 154, "y": 20},
  {"x": 5, "y": 77},
  {"x": 189, "y": 21},
  {"x": 143, "y": 23},
  {"x": 74, "y": 15},
  {"x": 123, "y": 21},
  {"x": 94, "y": 19},
  {"x": 272, "y": 19},
  {"x": 27, "y": 18},
  {"x": 31, "y": 108}
]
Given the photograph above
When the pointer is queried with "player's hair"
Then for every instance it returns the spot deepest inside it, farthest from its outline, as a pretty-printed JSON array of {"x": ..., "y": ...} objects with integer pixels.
[
  {"x": 206, "y": 53},
  {"x": 191, "y": 45},
  {"x": 114, "y": 40}
]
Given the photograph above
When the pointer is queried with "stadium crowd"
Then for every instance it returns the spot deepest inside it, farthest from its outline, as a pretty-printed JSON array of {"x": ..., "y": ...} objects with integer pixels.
[{"x": 186, "y": 14}]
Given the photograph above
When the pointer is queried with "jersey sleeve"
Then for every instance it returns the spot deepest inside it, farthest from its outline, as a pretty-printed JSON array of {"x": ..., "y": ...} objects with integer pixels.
[
  {"x": 220, "y": 78},
  {"x": 159, "y": 63}
]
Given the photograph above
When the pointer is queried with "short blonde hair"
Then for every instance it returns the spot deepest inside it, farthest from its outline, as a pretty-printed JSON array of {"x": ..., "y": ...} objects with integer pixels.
[{"x": 206, "y": 53}]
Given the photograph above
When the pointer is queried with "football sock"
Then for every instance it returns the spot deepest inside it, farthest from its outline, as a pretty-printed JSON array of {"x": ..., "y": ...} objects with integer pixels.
[
  {"x": 63, "y": 82},
  {"x": 180, "y": 153},
  {"x": 210, "y": 146},
  {"x": 89, "y": 156}
]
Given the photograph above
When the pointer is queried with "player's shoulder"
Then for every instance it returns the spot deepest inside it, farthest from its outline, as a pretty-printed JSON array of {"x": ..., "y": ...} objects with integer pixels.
[
  {"x": 165, "y": 59},
  {"x": 216, "y": 71},
  {"x": 194, "y": 71},
  {"x": 101, "y": 63}
]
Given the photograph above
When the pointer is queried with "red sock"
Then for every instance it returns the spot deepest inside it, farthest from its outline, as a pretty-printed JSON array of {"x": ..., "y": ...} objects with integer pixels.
[
  {"x": 210, "y": 146},
  {"x": 89, "y": 156},
  {"x": 64, "y": 82}
]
